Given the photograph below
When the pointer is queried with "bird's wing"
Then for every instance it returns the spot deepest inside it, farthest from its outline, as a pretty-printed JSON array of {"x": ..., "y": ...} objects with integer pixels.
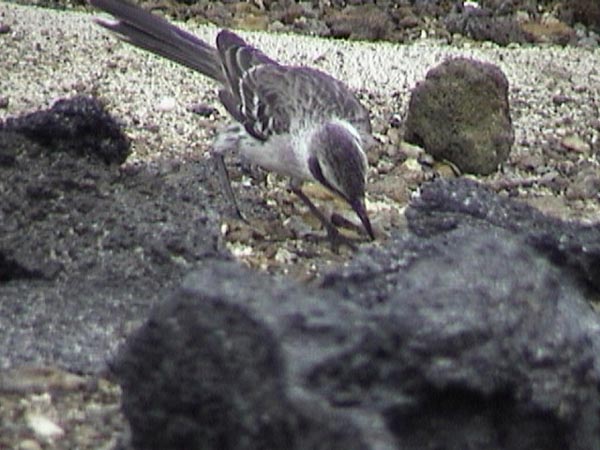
[{"x": 266, "y": 96}]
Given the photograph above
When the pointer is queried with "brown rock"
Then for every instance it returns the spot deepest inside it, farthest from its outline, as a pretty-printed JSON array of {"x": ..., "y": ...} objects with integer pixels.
[
  {"x": 460, "y": 113},
  {"x": 361, "y": 22},
  {"x": 586, "y": 185},
  {"x": 576, "y": 144},
  {"x": 549, "y": 30}
]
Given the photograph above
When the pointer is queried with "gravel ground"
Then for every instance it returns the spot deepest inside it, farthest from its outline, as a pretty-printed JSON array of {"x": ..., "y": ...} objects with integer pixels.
[{"x": 46, "y": 55}]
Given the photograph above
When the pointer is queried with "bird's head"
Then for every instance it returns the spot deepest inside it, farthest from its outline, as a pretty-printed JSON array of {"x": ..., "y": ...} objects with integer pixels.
[{"x": 339, "y": 162}]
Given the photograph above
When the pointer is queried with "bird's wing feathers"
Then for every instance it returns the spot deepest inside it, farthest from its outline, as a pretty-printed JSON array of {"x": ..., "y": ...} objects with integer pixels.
[
  {"x": 271, "y": 95},
  {"x": 264, "y": 95},
  {"x": 237, "y": 56},
  {"x": 238, "y": 96}
]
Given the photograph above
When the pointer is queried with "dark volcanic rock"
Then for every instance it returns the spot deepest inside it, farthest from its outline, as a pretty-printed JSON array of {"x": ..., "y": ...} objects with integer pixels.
[
  {"x": 86, "y": 247},
  {"x": 445, "y": 205},
  {"x": 485, "y": 25},
  {"x": 204, "y": 373},
  {"x": 470, "y": 336},
  {"x": 78, "y": 125},
  {"x": 365, "y": 22},
  {"x": 460, "y": 113},
  {"x": 479, "y": 343},
  {"x": 584, "y": 11}
]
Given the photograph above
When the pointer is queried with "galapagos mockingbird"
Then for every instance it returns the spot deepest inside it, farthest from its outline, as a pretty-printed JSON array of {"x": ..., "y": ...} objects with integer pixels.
[{"x": 292, "y": 120}]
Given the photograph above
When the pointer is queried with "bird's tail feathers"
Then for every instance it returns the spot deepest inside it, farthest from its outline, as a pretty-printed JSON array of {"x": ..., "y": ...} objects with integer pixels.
[{"x": 153, "y": 33}]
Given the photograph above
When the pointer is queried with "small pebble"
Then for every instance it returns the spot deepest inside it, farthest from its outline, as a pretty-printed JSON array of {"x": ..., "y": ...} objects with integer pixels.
[
  {"x": 166, "y": 104},
  {"x": 39, "y": 379},
  {"x": 284, "y": 256},
  {"x": 576, "y": 144},
  {"x": 411, "y": 150},
  {"x": 203, "y": 110},
  {"x": 29, "y": 444},
  {"x": 43, "y": 427},
  {"x": 561, "y": 99}
]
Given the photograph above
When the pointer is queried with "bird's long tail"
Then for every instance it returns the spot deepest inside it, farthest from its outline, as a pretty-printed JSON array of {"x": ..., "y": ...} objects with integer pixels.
[{"x": 153, "y": 33}]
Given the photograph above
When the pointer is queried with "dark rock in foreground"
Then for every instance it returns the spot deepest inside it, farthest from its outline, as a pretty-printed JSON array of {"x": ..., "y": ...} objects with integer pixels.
[
  {"x": 203, "y": 372},
  {"x": 467, "y": 338},
  {"x": 86, "y": 247},
  {"x": 446, "y": 205}
]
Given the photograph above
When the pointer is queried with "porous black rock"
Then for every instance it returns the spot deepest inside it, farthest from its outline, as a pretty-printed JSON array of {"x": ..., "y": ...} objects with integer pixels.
[
  {"x": 469, "y": 336},
  {"x": 477, "y": 341},
  {"x": 78, "y": 125},
  {"x": 497, "y": 25},
  {"x": 204, "y": 373},
  {"x": 447, "y": 204}
]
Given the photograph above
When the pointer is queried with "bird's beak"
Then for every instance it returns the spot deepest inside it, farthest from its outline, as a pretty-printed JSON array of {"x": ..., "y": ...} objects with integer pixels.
[{"x": 359, "y": 208}]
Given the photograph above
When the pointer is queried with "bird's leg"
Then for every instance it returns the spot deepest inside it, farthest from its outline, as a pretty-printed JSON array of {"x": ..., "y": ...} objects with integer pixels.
[
  {"x": 333, "y": 234},
  {"x": 225, "y": 182}
]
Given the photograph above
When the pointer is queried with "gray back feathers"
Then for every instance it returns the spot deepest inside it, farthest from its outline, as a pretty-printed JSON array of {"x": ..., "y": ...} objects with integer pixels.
[{"x": 265, "y": 96}]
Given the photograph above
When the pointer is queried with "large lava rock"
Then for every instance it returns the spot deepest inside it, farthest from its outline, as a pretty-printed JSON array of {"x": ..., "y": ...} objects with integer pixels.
[
  {"x": 446, "y": 204},
  {"x": 78, "y": 125},
  {"x": 86, "y": 245},
  {"x": 470, "y": 336}
]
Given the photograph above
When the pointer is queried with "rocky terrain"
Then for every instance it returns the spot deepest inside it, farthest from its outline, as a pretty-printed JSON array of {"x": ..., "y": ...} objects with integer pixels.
[{"x": 474, "y": 310}]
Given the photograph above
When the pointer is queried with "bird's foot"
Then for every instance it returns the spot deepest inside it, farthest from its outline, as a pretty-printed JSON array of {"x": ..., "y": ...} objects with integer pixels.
[{"x": 337, "y": 240}]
